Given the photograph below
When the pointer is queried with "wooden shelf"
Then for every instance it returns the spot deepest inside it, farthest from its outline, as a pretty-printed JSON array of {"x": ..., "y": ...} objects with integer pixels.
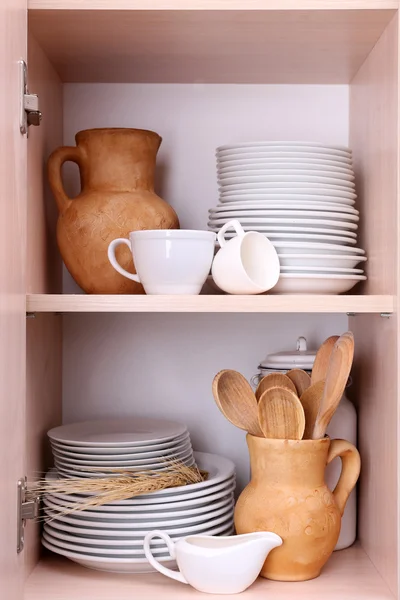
[
  {"x": 204, "y": 41},
  {"x": 80, "y": 303},
  {"x": 349, "y": 575}
]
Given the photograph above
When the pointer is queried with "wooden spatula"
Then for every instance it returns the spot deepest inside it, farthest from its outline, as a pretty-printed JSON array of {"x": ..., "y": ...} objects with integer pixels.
[
  {"x": 321, "y": 362},
  {"x": 281, "y": 415},
  {"x": 236, "y": 400},
  {"x": 301, "y": 380},
  {"x": 338, "y": 373},
  {"x": 274, "y": 380},
  {"x": 311, "y": 400}
]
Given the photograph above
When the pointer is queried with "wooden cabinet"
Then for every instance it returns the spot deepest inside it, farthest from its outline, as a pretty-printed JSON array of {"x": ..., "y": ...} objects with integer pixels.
[{"x": 293, "y": 46}]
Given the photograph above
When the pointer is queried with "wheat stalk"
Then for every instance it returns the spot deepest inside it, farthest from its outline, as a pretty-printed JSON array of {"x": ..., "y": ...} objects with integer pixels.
[{"x": 122, "y": 486}]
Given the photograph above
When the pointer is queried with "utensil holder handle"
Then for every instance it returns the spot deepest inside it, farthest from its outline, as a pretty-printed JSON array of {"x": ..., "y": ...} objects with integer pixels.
[
  {"x": 351, "y": 465},
  {"x": 54, "y": 165},
  {"x": 154, "y": 563}
]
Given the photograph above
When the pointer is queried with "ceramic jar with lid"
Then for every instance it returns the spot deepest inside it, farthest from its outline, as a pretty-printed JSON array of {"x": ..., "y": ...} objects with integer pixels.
[{"x": 342, "y": 426}]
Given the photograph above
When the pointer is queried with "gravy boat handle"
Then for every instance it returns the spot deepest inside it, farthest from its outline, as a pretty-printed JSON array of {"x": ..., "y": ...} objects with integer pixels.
[{"x": 171, "y": 548}]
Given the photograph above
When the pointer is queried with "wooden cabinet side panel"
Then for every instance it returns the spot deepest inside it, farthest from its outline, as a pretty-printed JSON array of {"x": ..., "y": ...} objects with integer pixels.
[
  {"x": 44, "y": 274},
  {"x": 374, "y": 137}
]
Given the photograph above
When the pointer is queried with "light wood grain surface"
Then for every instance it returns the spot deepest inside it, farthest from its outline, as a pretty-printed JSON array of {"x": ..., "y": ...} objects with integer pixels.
[
  {"x": 273, "y": 303},
  {"x": 212, "y": 4},
  {"x": 44, "y": 270},
  {"x": 349, "y": 575},
  {"x": 12, "y": 291},
  {"x": 374, "y": 138},
  {"x": 209, "y": 46}
]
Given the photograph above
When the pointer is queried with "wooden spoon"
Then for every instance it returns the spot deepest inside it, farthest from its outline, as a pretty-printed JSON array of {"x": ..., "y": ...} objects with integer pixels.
[
  {"x": 321, "y": 362},
  {"x": 281, "y": 415},
  {"x": 338, "y": 373},
  {"x": 301, "y": 380},
  {"x": 274, "y": 380},
  {"x": 236, "y": 400},
  {"x": 311, "y": 400}
]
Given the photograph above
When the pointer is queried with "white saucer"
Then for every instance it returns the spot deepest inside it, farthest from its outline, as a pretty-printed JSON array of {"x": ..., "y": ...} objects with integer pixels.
[
  {"x": 320, "y": 260},
  {"x": 315, "y": 284}
]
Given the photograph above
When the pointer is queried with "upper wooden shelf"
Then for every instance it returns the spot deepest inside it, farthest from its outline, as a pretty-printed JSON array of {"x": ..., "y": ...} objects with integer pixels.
[
  {"x": 202, "y": 304},
  {"x": 204, "y": 41}
]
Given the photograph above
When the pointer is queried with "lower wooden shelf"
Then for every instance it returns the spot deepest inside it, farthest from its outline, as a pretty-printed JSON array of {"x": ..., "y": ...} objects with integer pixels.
[
  {"x": 349, "y": 575},
  {"x": 202, "y": 304}
]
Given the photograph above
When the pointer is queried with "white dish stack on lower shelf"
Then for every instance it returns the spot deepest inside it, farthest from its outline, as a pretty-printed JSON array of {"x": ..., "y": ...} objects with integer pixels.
[
  {"x": 110, "y": 537},
  {"x": 301, "y": 196}
]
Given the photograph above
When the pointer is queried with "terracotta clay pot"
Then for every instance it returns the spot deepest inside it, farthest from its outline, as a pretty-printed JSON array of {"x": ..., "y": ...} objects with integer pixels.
[
  {"x": 117, "y": 180},
  {"x": 288, "y": 496}
]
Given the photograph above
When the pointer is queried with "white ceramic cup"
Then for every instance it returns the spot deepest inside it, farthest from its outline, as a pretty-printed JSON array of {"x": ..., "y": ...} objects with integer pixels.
[
  {"x": 168, "y": 261},
  {"x": 215, "y": 564},
  {"x": 246, "y": 264}
]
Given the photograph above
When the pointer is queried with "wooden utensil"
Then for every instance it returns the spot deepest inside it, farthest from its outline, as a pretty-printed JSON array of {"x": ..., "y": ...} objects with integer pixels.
[
  {"x": 321, "y": 362},
  {"x": 301, "y": 380},
  {"x": 280, "y": 414},
  {"x": 274, "y": 380},
  {"x": 311, "y": 401},
  {"x": 236, "y": 400},
  {"x": 338, "y": 373}
]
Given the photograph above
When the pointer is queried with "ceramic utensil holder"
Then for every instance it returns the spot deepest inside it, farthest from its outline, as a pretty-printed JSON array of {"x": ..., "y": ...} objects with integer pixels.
[{"x": 288, "y": 495}]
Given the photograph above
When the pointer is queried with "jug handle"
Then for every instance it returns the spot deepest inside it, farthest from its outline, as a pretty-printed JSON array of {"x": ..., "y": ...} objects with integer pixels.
[
  {"x": 177, "y": 575},
  {"x": 351, "y": 465},
  {"x": 55, "y": 162}
]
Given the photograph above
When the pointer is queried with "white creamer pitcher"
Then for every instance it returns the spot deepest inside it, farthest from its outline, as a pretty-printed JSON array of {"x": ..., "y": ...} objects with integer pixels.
[{"x": 216, "y": 565}]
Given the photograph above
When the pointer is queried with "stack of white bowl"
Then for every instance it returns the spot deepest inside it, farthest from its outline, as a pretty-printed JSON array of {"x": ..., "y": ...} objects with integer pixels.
[
  {"x": 301, "y": 195},
  {"x": 110, "y": 537}
]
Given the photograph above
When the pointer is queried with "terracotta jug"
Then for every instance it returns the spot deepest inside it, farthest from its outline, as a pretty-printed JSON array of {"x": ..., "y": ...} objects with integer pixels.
[
  {"x": 117, "y": 180},
  {"x": 287, "y": 495}
]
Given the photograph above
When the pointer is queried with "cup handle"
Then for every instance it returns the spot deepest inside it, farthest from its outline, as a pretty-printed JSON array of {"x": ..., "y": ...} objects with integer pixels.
[
  {"x": 177, "y": 575},
  {"x": 351, "y": 465},
  {"x": 113, "y": 260},
  {"x": 233, "y": 224}
]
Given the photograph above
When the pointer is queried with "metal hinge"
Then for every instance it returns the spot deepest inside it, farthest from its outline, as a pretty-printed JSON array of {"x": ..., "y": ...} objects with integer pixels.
[
  {"x": 29, "y": 104},
  {"x": 28, "y": 508}
]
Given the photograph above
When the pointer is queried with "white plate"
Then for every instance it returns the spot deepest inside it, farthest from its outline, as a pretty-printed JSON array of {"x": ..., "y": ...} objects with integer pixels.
[
  {"x": 97, "y": 545},
  {"x": 100, "y": 528},
  {"x": 121, "y": 565},
  {"x": 289, "y": 224},
  {"x": 117, "y": 521},
  {"x": 284, "y": 206},
  {"x": 130, "y": 456},
  {"x": 284, "y": 215},
  {"x": 72, "y": 473},
  {"x": 282, "y": 179},
  {"x": 236, "y": 166},
  {"x": 282, "y": 155},
  {"x": 315, "y": 284},
  {"x": 114, "y": 460},
  {"x": 295, "y": 175},
  {"x": 287, "y": 145},
  {"x": 148, "y": 514},
  {"x": 137, "y": 431},
  {"x": 219, "y": 469},
  {"x": 301, "y": 237},
  {"x": 270, "y": 160},
  {"x": 320, "y": 260},
  {"x": 315, "y": 248},
  {"x": 173, "y": 503},
  {"x": 160, "y": 448},
  {"x": 321, "y": 270},
  {"x": 248, "y": 191},
  {"x": 100, "y": 466}
]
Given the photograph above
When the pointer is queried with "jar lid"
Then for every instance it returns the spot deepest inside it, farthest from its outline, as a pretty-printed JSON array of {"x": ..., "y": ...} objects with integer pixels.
[{"x": 301, "y": 358}]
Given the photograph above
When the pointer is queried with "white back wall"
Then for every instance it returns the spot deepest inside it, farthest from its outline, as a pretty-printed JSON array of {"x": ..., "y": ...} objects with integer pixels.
[{"x": 149, "y": 364}]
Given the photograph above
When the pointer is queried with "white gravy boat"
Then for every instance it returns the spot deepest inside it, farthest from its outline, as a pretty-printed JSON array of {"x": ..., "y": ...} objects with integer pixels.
[{"x": 216, "y": 565}]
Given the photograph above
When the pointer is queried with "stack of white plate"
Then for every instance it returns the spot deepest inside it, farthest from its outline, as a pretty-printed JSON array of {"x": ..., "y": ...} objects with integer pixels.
[
  {"x": 96, "y": 448},
  {"x": 110, "y": 537},
  {"x": 301, "y": 195}
]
